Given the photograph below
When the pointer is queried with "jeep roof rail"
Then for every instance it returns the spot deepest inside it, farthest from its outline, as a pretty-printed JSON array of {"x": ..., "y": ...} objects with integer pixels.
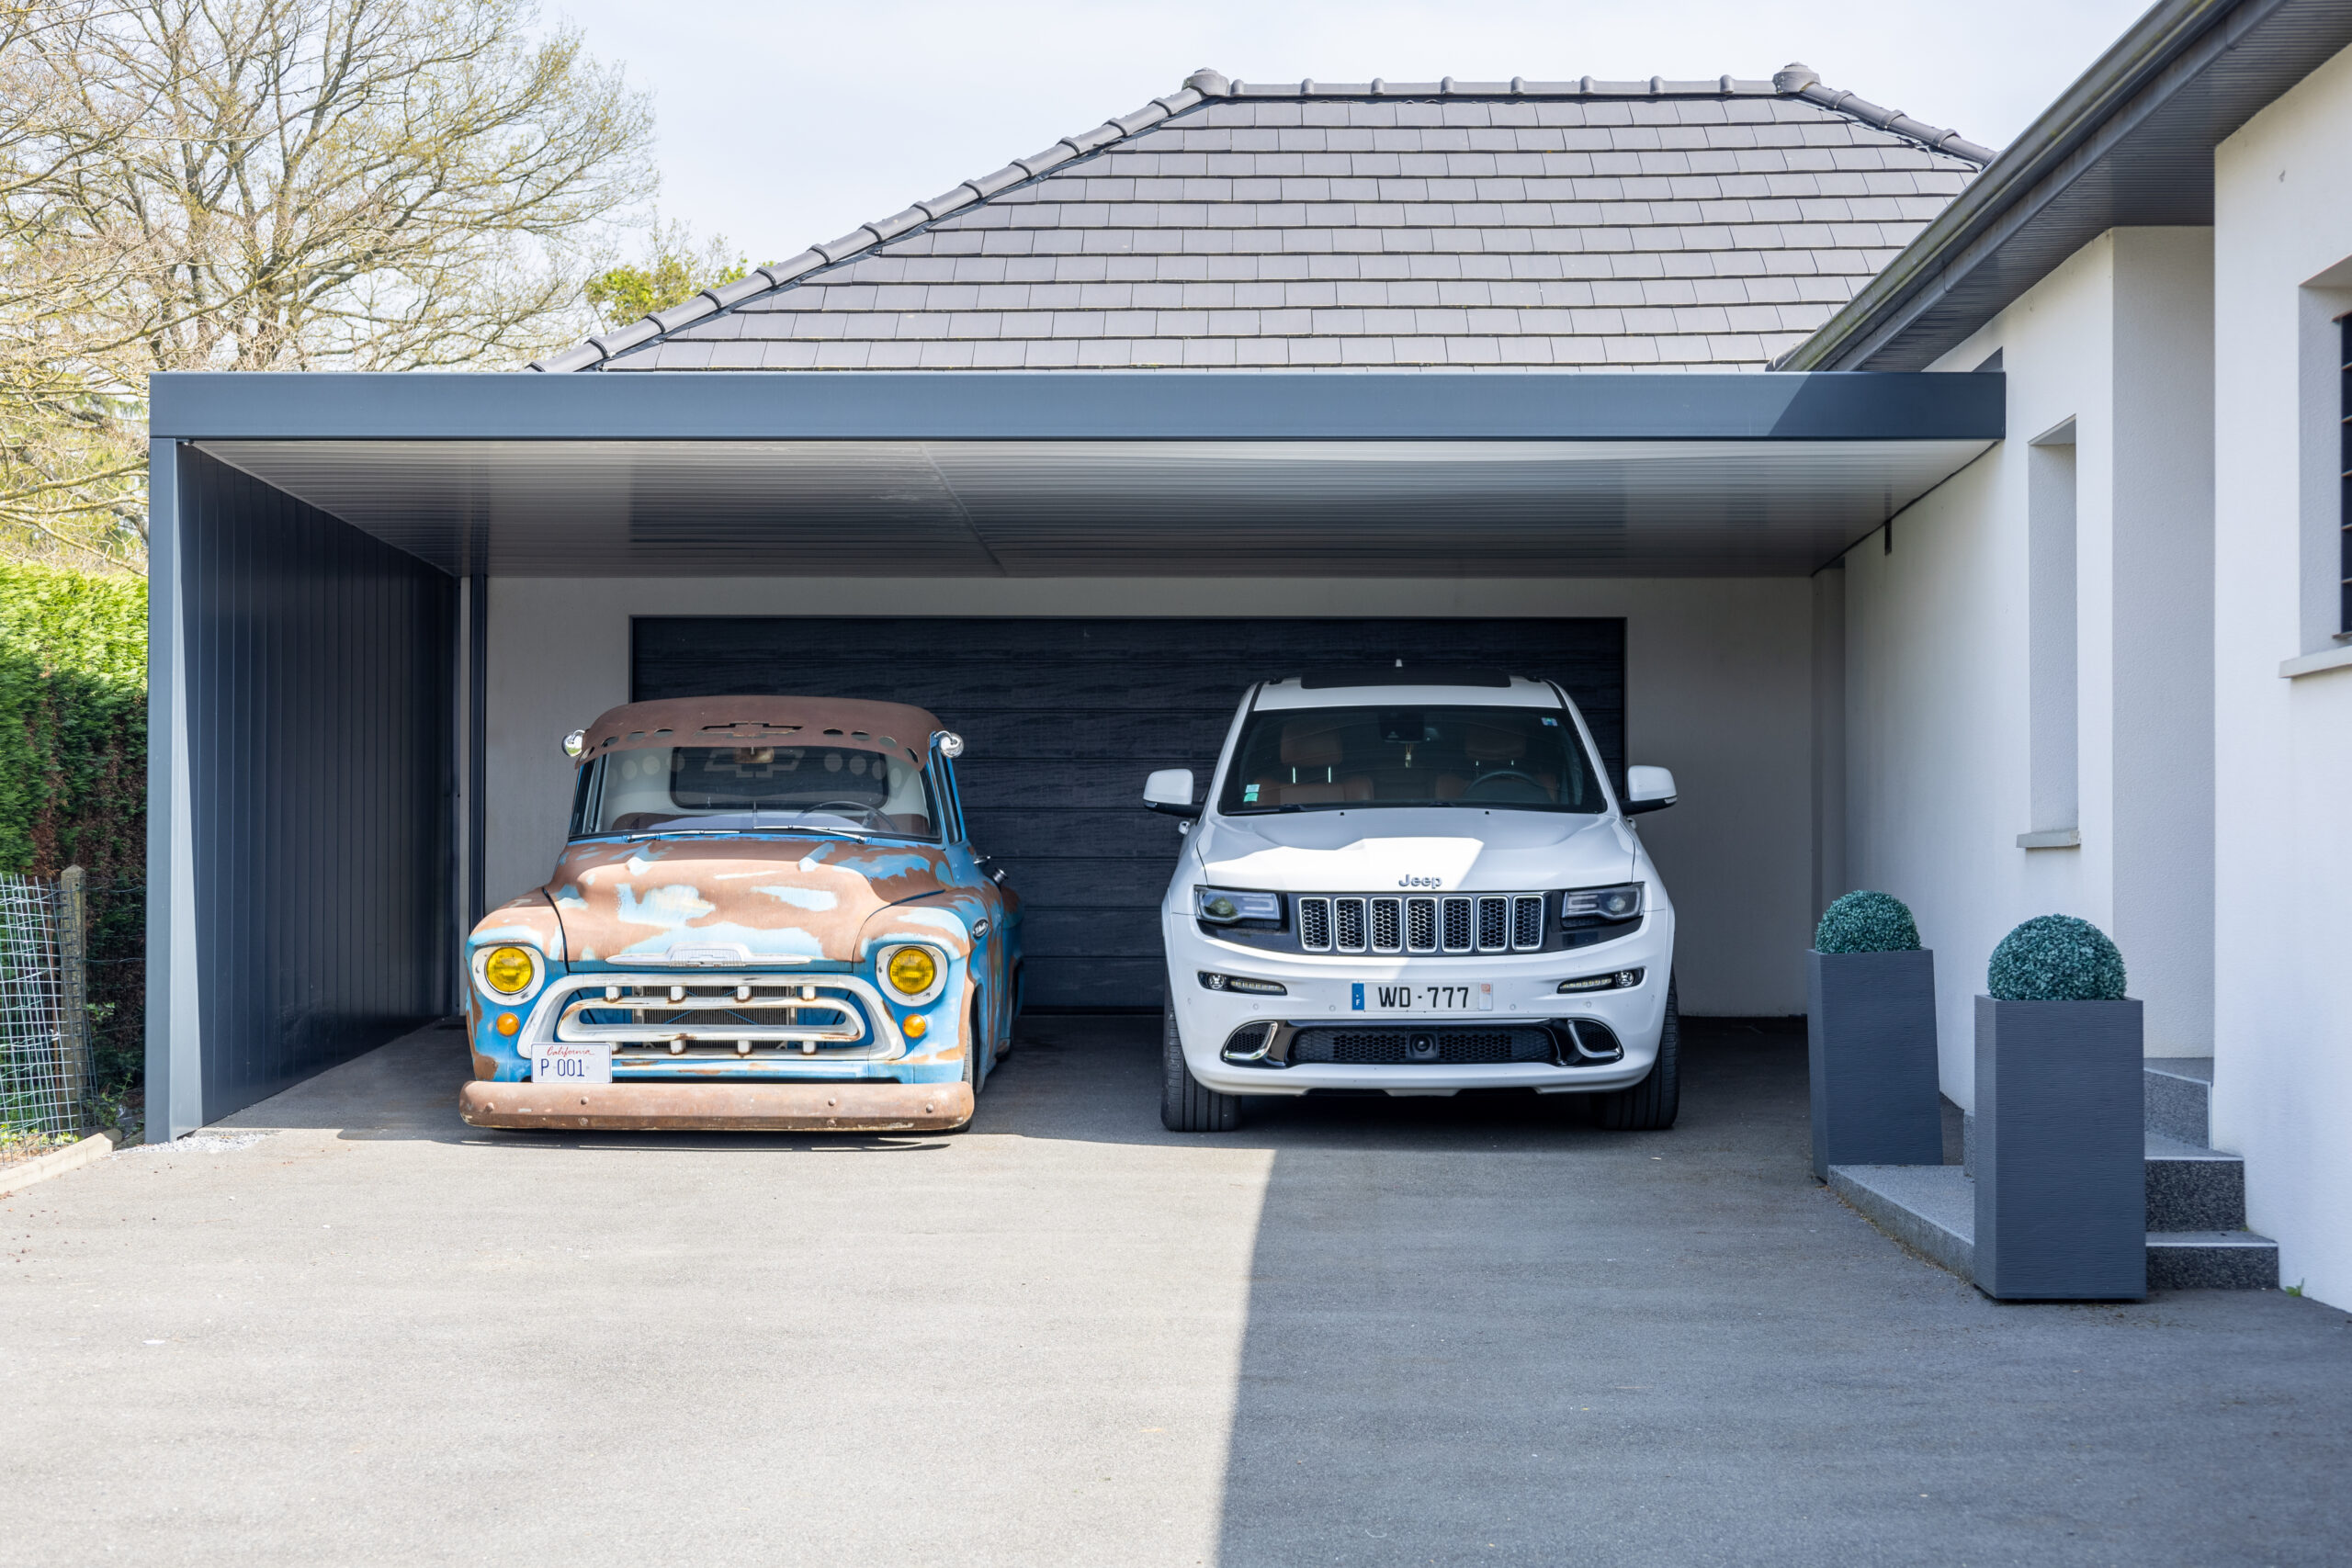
[{"x": 1403, "y": 676}]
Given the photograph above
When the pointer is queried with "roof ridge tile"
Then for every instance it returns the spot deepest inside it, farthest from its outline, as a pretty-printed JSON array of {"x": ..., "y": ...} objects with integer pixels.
[{"x": 1206, "y": 86}]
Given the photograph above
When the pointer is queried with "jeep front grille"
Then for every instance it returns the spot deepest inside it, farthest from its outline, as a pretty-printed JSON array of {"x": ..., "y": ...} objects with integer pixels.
[{"x": 1453, "y": 923}]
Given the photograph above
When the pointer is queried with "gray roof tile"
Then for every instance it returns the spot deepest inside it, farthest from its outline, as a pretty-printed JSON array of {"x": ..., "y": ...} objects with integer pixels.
[{"x": 1572, "y": 224}]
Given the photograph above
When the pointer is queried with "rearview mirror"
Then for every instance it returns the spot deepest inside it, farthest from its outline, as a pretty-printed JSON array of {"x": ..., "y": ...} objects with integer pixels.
[
  {"x": 1171, "y": 791},
  {"x": 1647, "y": 789}
]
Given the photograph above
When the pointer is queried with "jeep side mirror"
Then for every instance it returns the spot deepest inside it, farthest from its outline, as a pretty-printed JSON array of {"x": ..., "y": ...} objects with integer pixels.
[
  {"x": 1647, "y": 789},
  {"x": 1171, "y": 791}
]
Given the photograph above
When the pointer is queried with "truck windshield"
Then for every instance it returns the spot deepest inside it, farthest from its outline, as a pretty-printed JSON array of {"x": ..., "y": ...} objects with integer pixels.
[
  {"x": 1522, "y": 758},
  {"x": 754, "y": 788}
]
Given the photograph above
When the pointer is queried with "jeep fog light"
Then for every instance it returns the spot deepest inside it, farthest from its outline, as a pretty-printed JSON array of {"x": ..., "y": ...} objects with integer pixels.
[
  {"x": 509, "y": 971},
  {"x": 1216, "y": 982},
  {"x": 1621, "y": 980}
]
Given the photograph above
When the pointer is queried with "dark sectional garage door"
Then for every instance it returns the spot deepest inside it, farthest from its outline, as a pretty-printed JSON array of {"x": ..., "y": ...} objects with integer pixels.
[{"x": 1064, "y": 717}]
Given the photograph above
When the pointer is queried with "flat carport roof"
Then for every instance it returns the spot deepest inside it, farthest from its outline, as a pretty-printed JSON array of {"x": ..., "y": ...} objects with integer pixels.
[
  {"x": 309, "y": 530},
  {"x": 1072, "y": 472}
]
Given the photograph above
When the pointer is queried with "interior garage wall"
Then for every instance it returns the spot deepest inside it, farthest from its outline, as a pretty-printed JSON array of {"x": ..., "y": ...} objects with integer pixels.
[
  {"x": 1718, "y": 688},
  {"x": 309, "y": 690}
]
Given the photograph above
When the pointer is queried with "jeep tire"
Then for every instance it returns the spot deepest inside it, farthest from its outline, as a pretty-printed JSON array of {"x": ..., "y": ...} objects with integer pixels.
[
  {"x": 1185, "y": 1106},
  {"x": 1650, "y": 1105}
]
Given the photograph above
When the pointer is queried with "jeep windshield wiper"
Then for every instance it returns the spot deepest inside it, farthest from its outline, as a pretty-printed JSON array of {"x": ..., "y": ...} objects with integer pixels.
[{"x": 1262, "y": 810}]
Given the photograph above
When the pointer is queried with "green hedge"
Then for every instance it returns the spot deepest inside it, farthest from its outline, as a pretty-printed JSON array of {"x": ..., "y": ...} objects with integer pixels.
[{"x": 74, "y": 774}]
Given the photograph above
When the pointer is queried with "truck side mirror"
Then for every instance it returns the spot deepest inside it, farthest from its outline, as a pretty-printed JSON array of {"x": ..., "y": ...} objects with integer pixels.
[
  {"x": 1171, "y": 791},
  {"x": 1647, "y": 789}
]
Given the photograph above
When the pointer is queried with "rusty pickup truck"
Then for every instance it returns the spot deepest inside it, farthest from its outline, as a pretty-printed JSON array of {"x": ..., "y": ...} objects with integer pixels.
[{"x": 768, "y": 915}]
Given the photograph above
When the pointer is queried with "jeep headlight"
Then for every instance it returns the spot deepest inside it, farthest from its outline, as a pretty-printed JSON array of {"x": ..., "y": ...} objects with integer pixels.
[
  {"x": 1623, "y": 902},
  {"x": 509, "y": 971},
  {"x": 911, "y": 971},
  {"x": 1225, "y": 906}
]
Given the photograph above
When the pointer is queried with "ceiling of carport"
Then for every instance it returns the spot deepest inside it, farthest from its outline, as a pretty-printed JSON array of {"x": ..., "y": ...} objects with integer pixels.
[{"x": 584, "y": 508}]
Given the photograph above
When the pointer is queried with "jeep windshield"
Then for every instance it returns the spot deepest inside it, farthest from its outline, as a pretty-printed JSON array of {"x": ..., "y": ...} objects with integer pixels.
[
  {"x": 837, "y": 787},
  {"x": 1519, "y": 759}
]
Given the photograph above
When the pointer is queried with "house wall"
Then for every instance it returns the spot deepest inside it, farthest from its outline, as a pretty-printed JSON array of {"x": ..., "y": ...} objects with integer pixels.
[
  {"x": 1939, "y": 668},
  {"x": 1719, "y": 687},
  {"x": 2283, "y": 990}
]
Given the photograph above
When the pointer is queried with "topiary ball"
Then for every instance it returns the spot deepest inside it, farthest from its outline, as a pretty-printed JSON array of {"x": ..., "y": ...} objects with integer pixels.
[
  {"x": 2055, "y": 958},
  {"x": 1867, "y": 922}
]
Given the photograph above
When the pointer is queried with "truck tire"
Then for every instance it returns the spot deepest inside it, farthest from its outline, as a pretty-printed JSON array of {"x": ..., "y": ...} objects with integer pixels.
[
  {"x": 1184, "y": 1105},
  {"x": 1650, "y": 1105}
]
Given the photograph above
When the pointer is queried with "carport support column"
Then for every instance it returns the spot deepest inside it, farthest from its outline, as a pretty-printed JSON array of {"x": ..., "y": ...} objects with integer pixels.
[
  {"x": 477, "y": 747},
  {"x": 175, "y": 1025}
]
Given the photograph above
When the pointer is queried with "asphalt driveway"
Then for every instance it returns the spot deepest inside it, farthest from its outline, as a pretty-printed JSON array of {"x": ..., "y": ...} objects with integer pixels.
[{"x": 346, "y": 1329}]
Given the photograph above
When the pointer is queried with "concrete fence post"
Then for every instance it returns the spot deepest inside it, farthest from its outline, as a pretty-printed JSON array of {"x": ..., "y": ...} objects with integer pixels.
[{"x": 73, "y": 974}]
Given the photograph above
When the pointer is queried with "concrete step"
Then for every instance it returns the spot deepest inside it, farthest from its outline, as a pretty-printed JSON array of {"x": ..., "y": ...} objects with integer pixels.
[
  {"x": 2212, "y": 1260},
  {"x": 2191, "y": 1188},
  {"x": 1932, "y": 1210},
  {"x": 2178, "y": 1092}
]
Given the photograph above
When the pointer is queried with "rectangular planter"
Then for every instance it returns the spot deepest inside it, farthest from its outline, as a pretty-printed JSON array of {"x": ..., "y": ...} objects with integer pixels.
[
  {"x": 2061, "y": 1154},
  {"x": 1871, "y": 1031}
]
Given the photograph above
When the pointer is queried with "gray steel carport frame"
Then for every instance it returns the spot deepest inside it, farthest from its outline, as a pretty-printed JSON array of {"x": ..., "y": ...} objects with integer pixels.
[{"x": 301, "y": 672}]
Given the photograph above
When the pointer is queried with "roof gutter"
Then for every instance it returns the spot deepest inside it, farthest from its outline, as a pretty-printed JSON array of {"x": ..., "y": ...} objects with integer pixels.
[{"x": 2041, "y": 156}]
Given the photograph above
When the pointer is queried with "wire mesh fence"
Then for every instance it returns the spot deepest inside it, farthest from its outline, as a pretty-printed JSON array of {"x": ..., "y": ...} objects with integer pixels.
[
  {"x": 44, "y": 1065},
  {"x": 72, "y": 978}
]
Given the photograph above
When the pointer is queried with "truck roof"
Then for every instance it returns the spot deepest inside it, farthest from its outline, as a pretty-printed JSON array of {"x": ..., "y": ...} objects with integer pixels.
[{"x": 758, "y": 718}]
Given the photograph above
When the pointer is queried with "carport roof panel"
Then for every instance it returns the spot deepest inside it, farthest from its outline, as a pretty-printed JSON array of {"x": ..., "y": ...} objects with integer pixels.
[
  {"x": 1081, "y": 406},
  {"x": 1127, "y": 508}
]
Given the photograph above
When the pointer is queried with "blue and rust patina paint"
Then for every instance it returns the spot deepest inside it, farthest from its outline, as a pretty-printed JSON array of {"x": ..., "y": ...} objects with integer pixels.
[{"x": 786, "y": 905}]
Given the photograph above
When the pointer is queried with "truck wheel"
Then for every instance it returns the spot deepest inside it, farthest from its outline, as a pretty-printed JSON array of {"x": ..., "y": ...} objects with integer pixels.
[
  {"x": 1184, "y": 1105},
  {"x": 1650, "y": 1105}
]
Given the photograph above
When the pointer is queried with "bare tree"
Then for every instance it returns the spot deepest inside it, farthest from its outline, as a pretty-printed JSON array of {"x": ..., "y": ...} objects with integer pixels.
[{"x": 278, "y": 185}]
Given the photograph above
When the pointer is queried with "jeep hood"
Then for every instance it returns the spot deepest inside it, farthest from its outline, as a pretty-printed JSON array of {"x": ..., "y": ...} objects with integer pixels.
[
  {"x": 1393, "y": 850},
  {"x": 770, "y": 898}
]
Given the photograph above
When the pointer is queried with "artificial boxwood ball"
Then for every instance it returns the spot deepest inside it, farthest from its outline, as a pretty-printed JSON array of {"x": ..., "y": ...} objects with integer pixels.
[
  {"x": 1867, "y": 922},
  {"x": 2055, "y": 958}
]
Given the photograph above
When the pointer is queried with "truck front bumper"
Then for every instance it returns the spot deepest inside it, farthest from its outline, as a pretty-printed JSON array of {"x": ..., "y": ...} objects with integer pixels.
[{"x": 718, "y": 1107}]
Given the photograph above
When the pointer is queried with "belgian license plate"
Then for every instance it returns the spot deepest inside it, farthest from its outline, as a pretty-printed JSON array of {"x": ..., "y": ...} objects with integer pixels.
[
  {"x": 573, "y": 1063},
  {"x": 1475, "y": 996}
]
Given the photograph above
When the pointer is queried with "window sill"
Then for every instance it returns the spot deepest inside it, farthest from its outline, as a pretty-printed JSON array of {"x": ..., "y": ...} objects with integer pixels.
[
  {"x": 2313, "y": 663},
  {"x": 2052, "y": 839}
]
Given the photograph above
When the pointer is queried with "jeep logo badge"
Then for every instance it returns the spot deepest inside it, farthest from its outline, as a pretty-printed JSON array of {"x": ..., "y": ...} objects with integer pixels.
[{"x": 1420, "y": 882}]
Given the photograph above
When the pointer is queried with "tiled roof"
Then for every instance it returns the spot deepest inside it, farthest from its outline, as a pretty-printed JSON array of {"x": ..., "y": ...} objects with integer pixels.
[{"x": 1697, "y": 225}]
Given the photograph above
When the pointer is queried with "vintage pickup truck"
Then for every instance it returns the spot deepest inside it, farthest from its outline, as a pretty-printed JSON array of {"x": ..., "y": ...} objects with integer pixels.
[{"x": 768, "y": 917}]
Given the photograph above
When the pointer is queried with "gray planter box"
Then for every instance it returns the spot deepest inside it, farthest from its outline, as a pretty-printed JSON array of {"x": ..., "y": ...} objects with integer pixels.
[
  {"x": 2061, "y": 1154},
  {"x": 1871, "y": 1032}
]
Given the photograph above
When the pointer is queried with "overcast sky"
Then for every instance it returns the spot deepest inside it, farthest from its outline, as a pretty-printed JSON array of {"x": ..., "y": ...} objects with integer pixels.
[{"x": 786, "y": 123}]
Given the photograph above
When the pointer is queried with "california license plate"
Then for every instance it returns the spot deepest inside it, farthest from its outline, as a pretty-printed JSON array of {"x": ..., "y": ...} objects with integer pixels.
[
  {"x": 1475, "y": 996},
  {"x": 566, "y": 1063}
]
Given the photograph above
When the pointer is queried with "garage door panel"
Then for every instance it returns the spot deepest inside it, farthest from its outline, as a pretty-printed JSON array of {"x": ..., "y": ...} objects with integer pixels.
[
  {"x": 1046, "y": 882},
  {"x": 1088, "y": 984},
  {"x": 1063, "y": 717}
]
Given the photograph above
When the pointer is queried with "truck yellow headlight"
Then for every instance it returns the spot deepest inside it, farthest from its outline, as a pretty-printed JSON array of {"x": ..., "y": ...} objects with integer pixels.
[
  {"x": 509, "y": 970},
  {"x": 912, "y": 971}
]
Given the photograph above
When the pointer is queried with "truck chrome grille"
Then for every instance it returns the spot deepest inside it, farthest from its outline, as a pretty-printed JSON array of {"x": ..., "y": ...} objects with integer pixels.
[{"x": 1384, "y": 923}]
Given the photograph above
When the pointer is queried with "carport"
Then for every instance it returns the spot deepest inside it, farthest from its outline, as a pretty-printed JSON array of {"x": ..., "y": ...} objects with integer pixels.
[{"x": 379, "y": 600}]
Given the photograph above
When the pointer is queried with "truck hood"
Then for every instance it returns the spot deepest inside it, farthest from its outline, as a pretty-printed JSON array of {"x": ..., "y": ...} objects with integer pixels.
[
  {"x": 777, "y": 898},
  {"x": 1390, "y": 850}
]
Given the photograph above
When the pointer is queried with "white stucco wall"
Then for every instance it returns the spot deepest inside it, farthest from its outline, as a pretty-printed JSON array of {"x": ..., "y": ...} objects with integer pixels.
[
  {"x": 1719, "y": 688},
  {"x": 2283, "y": 778},
  {"x": 1939, "y": 766}
]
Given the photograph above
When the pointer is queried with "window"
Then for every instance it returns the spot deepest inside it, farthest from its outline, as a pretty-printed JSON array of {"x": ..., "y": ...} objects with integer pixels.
[
  {"x": 830, "y": 786},
  {"x": 1520, "y": 759},
  {"x": 2053, "y": 700}
]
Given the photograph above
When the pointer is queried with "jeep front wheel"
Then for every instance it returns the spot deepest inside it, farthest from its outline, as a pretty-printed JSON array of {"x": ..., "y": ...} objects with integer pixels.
[{"x": 1185, "y": 1105}]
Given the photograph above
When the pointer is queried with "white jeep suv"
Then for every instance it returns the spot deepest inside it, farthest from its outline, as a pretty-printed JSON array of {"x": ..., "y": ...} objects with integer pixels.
[{"x": 1415, "y": 882}]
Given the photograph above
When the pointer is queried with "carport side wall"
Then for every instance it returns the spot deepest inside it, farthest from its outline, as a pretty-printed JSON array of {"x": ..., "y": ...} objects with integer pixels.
[
  {"x": 2282, "y": 1048},
  {"x": 1719, "y": 688},
  {"x": 1939, "y": 747},
  {"x": 303, "y": 851}
]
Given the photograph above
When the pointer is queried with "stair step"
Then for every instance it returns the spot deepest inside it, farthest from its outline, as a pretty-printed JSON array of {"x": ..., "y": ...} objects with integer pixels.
[
  {"x": 2178, "y": 1097},
  {"x": 2212, "y": 1260},
  {"x": 1932, "y": 1210},
  {"x": 2191, "y": 1188}
]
